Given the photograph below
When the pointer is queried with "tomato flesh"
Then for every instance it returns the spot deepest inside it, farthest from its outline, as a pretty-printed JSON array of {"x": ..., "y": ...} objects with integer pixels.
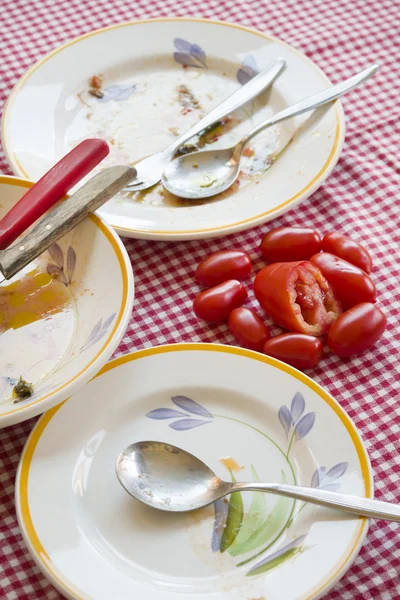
[
  {"x": 248, "y": 328},
  {"x": 297, "y": 296},
  {"x": 286, "y": 244},
  {"x": 223, "y": 265},
  {"x": 357, "y": 329},
  {"x": 350, "y": 284},
  {"x": 296, "y": 349},
  {"x": 216, "y": 303},
  {"x": 346, "y": 248}
]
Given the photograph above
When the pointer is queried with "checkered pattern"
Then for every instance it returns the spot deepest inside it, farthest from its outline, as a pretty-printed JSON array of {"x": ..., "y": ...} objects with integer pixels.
[{"x": 360, "y": 198}]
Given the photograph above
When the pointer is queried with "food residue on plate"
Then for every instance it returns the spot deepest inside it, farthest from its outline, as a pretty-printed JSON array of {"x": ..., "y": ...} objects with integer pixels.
[
  {"x": 231, "y": 464},
  {"x": 96, "y": 83},
  {"x": 163, "y": 104},
  {"x": 22, "y": 390},
  {"x": 187, "y": 100},
  {"x": 37, "y": 321}
]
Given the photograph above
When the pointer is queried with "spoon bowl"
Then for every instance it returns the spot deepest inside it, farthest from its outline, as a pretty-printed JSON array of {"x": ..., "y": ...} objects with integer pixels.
[
  {"x": 167, "y": 477},
  {"x": 201, "y": 174}
]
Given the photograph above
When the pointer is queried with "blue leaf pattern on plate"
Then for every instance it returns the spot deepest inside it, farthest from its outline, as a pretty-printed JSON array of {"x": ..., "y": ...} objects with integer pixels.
[
  {"x": 56, "y": 269},
  {"x": 57, "y": 255},
  {"x": 165, "y": 413},
  {"x": 285, "y": 418},
  {"x": 119, "y": 93},
  {"x": 304, "y": 426},
  {"x": 71, "y": 263},
  {"x": 297, "y": 407},
  {"x": 191, "y": 406},
  {"x": 318, "y": 476},
  {"x": 247, "y": 70},
  {"x": 189, "y": 55},
  {"x": 338, "y": 470},
  {"x": 328, "y": 480},
  {"x": 182, "y": 45},
  {"x": 295, "y": 544},
  {"x": 184, "y": 424},
  {"x": 98, "y": 331},
  {"x": 198, "y": 53},
  {"x": 330, "y": 487},
  {"x": 221, "y": 513},
  {"x": 294, "y": 421}
]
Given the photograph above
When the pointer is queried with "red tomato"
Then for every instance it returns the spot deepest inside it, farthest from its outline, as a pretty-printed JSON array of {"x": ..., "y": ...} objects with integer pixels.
[
  {"x": 297, "y": 296},
  {"x": 248, "y": 328},
  {"x": 344, "y": 247},
  {"x": 290, "y": 243},
  {"x": 349, "y": 283},
  {"x": 223, "y": 265},
  {"x": 216, "y": 303},
  {"x": 296, "y": 349},
  {"x": 356, "y": 329}
]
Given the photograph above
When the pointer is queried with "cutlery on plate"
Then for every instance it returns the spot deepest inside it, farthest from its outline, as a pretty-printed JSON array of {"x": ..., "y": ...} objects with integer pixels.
[
  {"x": 216, "y": 170},
  {"x": 51, "y": 187},
  {"x": 63, "y": 218},
  {"x": 149, "y": 170},
  {"x": 171, "y": 479}
]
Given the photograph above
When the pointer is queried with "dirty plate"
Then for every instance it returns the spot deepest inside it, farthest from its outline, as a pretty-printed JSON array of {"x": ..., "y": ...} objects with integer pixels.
[
  {"x": 251, "y": 418},
  {"x": 138, "y": 85},
  {"x": 62, "y": 317}
]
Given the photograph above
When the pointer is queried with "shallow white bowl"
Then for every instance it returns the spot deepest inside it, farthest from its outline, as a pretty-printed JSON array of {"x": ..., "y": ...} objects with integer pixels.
[{"x": 100, "y": 292}]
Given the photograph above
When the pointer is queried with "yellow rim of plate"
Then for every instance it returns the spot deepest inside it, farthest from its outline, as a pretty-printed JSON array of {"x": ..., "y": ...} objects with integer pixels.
[
  {"x": 8, "y": 180},
  {"x": 330, "y": 162},
  {"x": 22, "y": 496}
]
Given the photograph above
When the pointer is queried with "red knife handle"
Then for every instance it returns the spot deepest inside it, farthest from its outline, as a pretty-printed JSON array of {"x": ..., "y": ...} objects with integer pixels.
[{"x": 51, "y": 187}]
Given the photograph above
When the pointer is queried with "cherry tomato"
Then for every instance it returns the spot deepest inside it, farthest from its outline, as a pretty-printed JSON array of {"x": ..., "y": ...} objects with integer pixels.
[
  {"x": 349, "y": 283},
  {"x": 216, "y": 303},
  {"x": 296, "y": 349},
  {"x": 356, "y": 329},
  {"x": 290, "y": 243},
  {"x": 297, "y": 296},
  {"x": 248, "y": 328},
  {"x": 223, "y": 265},
  {"x": 343, "y": 247}
]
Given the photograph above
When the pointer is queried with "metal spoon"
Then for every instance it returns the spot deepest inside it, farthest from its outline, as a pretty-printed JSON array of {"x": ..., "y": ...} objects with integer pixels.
[
  {"x": 169, "y": 478},
  {"x": 149, "y": 170},
  {"x": 207, "y": 173}
]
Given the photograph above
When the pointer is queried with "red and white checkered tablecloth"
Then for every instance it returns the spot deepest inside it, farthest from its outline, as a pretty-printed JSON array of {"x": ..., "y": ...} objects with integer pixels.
[{"x": 361, "y": 197}]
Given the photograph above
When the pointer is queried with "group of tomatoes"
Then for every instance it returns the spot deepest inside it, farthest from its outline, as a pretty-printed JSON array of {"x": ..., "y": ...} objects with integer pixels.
[{"x": 313, "y": 286}]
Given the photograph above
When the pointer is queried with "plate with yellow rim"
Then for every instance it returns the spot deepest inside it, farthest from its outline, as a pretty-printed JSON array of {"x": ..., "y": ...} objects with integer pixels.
[
  {"x": 140, "y": 84},
  {"x": 61, "y": 317},
  {"x": 250, "y": 418}
]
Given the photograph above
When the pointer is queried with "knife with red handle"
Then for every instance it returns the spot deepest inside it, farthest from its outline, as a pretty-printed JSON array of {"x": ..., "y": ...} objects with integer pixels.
[{"x": 51, "y": 187}]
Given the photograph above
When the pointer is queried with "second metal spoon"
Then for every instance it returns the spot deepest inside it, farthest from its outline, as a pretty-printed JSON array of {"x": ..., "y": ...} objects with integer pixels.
[
  {"x": 171, "y": 479},
  {"x": 204, "y": 174}
]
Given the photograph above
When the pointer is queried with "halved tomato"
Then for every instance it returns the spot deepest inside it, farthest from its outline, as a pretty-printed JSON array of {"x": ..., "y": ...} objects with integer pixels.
[{"x": 297, "y": 296}]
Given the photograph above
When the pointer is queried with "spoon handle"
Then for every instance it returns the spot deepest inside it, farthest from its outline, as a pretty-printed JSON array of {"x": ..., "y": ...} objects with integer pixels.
[
  {"x": 363, "y": 507},
  {"x": 244, "y": 94},
  {"x": 312, "y": 102}
]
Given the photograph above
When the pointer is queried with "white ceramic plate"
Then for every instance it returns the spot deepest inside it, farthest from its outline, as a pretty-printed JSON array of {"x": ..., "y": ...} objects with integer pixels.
[
  {"x": 63, "y": 316},
  {"x": 94, "y": 541},
  {"x": 50, "y": 110}
]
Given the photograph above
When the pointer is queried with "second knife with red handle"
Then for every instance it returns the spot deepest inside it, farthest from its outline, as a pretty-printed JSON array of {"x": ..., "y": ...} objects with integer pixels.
[{"x": 73, "y": 167}]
